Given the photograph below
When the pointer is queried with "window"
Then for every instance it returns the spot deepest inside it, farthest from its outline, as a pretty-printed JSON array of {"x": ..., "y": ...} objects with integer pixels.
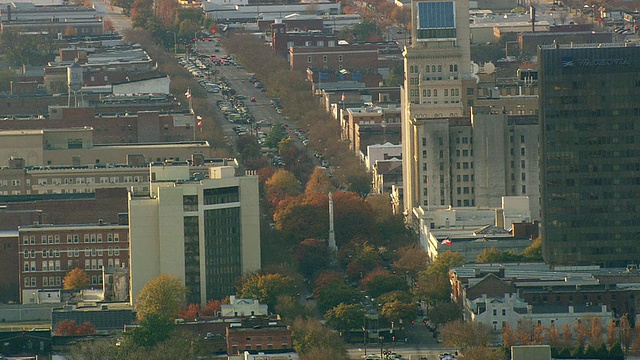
[
  {"x": 522, "y": 164},
  {"x": 76, "y": 238},
  {"x": 32, "y": 254},
  {"x": 116, "y": 237},
  {"x": 93, "y": 238},
  {"x": 309, "y": 59},
  {"x": 86, "y": 238},
  {"x": 26, "y": 266},
  {"x": 439, "y": 68},
  {"x": 76, "y": 252},
  {"x": 44, "y": 254},
  {"x": 87, "y": 252},
  {"x": 87, "y": 264},
  {"x": 331, "y": 43},
  {"x": 99, "y": 238},
  {"x": 25, "y": 240},
  {"x": 110, "y": 251},
  {"x": 325, "y": 58},
  {"x": 32, "y": 240},
  {"x": 56, "y": 239},
  {"x": 522, "y": 151},
  {"x": 26, "y": 254},
  {"x": 43, "y": 239},
  {"x": 116, "y": 251},
  {"x": 45, "y": 281},
  {"x": 109, "y": 237}
]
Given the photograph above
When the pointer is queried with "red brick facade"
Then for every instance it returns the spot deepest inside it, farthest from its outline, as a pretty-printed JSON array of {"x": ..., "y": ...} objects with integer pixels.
[
  {"x": 48, "y": 252},
  {"x": 240, "y": 339},
  {"x": 350, "y": 57}
]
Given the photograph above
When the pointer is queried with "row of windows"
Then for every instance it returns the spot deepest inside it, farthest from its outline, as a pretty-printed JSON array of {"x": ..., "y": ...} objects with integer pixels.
[
  {"x": 75, "y": 238},
  {"x": 447, "y": 92},
  {"x": 466, "y": 202},
  {"x": 325, "y": 58},
  {"x": 319, "y": 43},
  {"x": 415, "y": 69},
  {"x": 14, "y": 182},
  {"x": 51, "y": 253},
  {"x": 90, "y": 180}
]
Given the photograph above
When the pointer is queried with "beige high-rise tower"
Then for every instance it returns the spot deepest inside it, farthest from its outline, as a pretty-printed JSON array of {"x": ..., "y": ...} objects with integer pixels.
[{"x": 438, "y": 90}]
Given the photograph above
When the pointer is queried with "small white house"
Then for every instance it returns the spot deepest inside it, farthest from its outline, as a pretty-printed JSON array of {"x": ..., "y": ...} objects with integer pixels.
[{"x": 243, "y": 307}]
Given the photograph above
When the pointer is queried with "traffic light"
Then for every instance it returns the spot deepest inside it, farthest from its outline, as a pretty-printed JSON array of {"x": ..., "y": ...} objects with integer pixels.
[
  {"x": 394, "y": 271},
  {"x": 413, "y": 322}
]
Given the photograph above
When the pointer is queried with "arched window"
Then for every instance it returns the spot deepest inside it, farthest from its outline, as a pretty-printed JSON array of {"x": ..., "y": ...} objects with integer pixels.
[
  {"x": 427, "y": 68},
  {"x": 439, "y": 68},
  {"x": 433, "y": 68}
]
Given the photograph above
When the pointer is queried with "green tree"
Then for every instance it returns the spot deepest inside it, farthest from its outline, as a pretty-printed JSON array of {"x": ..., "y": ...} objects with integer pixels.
[
  {"x": 289, "y": 308},
  {"x": 534, "y": 251},
  {"x": 163, "y": 296},
  {"x": 76, "y": 279},
  {"x": 615, "y": 352},
  {"x": 6, "y": 77},
  {"x": 334, "y": 293},
  {"x": 401, "y": 296},
  {"x": 276, "y": 135},
  {"x": 345, "y": 317},
  {"x": 154, "y": 328},
  {"x": 444, "y": 311},
  {"x": 411, "y": 260},
  {"x": 366, "y": 31},
  {"x": 380, "y": 282}
]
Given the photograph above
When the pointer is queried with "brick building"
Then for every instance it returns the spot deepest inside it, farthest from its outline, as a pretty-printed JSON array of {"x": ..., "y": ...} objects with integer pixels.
[
  {"x": 8, "y": 266},
  {"x": 48, "y": 252},
  {"x": 270, "y": 336},
  {"x": 113, "y": 127},
  {"x": 351, "y": 57},
  {"x": 283, "y": 37}
]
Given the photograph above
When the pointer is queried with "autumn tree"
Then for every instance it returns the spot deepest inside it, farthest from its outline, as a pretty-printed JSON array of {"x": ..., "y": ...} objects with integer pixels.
[
  {"x": 554, "y": 336},
  {"x": 164, "y": 296},
  {"x": 524, "y": 331},
  {"x": 289, "y": 308},
  {"x": 211, "y": 309},
  {"x": 484, "y": 353},
  {"x": 509, "y": 337},
  {"x": 76, "y": 279},
  {"x": 281, "y": 185},
  {"x": 311, "y": 339},
  {"x": 595, "y": 335},
  {"x": 490, "y": 255},
  {"x": 581, "y": 332},
  {"x": 396, "y": 311},
  {"x": 567, "y": 336},
  {"x": 466, "y": 335},
  {"x": 70, "y": 328},
  {"x": 190, "y": 313},
  {"x": 626, "y": 333},
  {"x": 312, "y": 256},
  {"x": 268, "y": 287},
  {"x": 411, "y": 260},
  {"x": 325, "y": 278},
  {"x": 344, "y": 317},
  {"x": 318, "y": 182}
]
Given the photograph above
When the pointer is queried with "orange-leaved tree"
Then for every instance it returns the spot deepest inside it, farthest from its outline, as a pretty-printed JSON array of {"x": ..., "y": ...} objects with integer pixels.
[{"x": 76, "y": 279}]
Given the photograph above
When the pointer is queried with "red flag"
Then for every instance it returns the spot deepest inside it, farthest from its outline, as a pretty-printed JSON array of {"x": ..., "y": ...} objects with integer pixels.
[
  {"x": 342, "y": 97},
  {"x": 446, "y": 241}
]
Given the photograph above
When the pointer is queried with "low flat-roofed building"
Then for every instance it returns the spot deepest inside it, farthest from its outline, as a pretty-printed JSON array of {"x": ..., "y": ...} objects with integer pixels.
[
  {"x": 18, "y": 179},
  {"x": 75, "y": 146},
  {"x": 9, "y": 289}
]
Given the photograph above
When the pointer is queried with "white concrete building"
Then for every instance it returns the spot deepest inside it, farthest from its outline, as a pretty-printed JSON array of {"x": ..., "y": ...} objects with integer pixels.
[
  {"x": 243, "y": 307},
  {"x": 384, "y": 151},
  {"x": 205, "y": 231}
]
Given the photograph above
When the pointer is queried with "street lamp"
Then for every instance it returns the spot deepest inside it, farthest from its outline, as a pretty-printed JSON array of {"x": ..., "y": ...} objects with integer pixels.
[{"x": 175, "y": 42}]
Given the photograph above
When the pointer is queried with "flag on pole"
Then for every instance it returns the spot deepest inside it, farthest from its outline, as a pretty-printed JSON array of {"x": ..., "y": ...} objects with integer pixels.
[
  {"x": 342, "y": 97},
  {"x": 199, "y": 118},
  {"x": 188, "y": 93},
  {"x": 446, "y": 241}
]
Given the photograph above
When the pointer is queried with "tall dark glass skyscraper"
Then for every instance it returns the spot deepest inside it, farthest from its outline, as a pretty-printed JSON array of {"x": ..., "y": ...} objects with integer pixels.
[{"x": 590, "y": 154}]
